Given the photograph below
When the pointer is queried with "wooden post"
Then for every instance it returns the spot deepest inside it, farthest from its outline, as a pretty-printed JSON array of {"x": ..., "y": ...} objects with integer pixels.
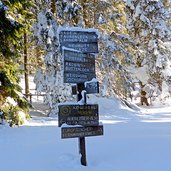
[
  {"x": 82, "y": 151},
  {"x": 26, "y": 70},
  {"x": 82, "y": 147}
]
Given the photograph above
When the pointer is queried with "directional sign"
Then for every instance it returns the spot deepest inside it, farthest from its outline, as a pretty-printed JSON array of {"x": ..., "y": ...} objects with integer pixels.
[
  {"x": 78, "y": 67},
  {"x": 73, "y": 132},
  {"x": 75, "y": 56},
  {"x": 83, "y": 47},
  {"x": 77, "y": 36},
  {"x": 92, "y": 87},
  {"x": 83, "y": 41},
  {"x": 78, "y": 115},
  {"x": 78, "y": 77}
]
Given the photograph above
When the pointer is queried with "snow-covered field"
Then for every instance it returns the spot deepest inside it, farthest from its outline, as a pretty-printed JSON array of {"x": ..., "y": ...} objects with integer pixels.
[{"x": 133, "y": 140}]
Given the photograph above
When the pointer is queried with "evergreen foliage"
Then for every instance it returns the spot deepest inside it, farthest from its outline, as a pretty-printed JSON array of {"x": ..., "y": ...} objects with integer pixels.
[
  {"x": 12, "y": 25},
  {"x": 113, "y": 53},
  {"x": 148, "y": 25},
  {"x": 134, "y": 37}
]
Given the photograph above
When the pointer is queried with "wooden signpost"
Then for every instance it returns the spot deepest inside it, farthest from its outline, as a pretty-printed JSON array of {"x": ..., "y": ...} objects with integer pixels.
[{"x": 79, "y": 67}]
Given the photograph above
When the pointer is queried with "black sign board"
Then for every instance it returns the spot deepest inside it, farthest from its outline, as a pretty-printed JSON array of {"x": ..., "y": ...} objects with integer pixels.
[
  {"x": 83, "y": 47},
  {"x": 92, "y": 87},
  {"x": 78, "y": 115},
  {"x": 73, "y": 132},
  {"x": 75, "y": 56},
  {"x": 77, "y": 36},
  {"x": 78, "y": 67},
  {"x": 83, "y": 41},
  {"x": 78, "y": 77}
]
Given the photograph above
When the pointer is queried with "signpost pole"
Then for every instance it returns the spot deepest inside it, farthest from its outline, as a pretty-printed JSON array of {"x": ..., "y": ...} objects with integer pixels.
[
  {"x": 82, "y": 151},
  {"x": 82, "y": 146},
  {"x": 79, "y": 67}
]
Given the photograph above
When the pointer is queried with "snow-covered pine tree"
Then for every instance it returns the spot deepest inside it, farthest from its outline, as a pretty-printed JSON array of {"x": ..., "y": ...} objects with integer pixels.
[
  {"x": 12, "y": 102},
  {"x": 69, "y": 13},
  {"x": 50, "y": 79},
  {"x": 114, "y": 51},
  {"x": 115, "y": 48},
  {"x": 148, "y": 24}
]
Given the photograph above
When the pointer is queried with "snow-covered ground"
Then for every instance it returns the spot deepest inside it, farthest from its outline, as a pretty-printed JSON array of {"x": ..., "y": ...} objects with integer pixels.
[{"x": 133, "y": 140}]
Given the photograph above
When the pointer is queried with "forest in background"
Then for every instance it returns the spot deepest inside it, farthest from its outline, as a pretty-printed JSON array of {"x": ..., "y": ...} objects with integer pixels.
[{"x": 134, "y": 47}]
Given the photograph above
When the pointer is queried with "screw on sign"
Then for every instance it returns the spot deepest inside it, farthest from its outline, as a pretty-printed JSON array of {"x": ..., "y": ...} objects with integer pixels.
[{"x": 65, "y": 110}]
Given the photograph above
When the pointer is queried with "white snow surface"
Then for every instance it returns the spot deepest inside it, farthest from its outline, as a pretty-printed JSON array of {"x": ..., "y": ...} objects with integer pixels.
[{"x": 137, "y": 139}]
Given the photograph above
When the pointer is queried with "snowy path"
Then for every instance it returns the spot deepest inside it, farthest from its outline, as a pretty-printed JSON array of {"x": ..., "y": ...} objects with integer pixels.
[
  {"x": 132, "y": 141},
  {"x": 156, "y": 114},
  {"x": 39, "y": 109}
]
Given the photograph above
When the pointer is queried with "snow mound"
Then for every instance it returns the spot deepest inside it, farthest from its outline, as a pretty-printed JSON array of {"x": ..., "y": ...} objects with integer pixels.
[{"x": 114, "y": 109}]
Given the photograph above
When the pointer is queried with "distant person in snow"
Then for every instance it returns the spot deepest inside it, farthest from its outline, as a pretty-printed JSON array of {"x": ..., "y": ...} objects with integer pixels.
[{"x": 144, "y": 98}]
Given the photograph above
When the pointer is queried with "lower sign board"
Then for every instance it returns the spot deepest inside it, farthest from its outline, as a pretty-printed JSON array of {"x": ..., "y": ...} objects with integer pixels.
[
  {"x": 87, "y": 131},
  {"x": 85, "y": 115}
]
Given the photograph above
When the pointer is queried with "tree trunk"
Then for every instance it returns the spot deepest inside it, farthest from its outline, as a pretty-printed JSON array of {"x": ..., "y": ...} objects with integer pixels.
[
  {"x": 38, "y": 54},
  {"x": 26, "y": 71},
  {"x": 95, "y": 12},
  {"x": 85, "y": 12},
  {"x": 53, "y": 6}
]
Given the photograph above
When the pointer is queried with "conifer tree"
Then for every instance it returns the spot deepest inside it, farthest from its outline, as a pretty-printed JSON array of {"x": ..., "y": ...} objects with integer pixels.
[
  {"x": 148, "y": 24},
  {"x": 46, "y": 32},
  {"x": 11, "y": 30},
  {"x": 113, "y": 52}
]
